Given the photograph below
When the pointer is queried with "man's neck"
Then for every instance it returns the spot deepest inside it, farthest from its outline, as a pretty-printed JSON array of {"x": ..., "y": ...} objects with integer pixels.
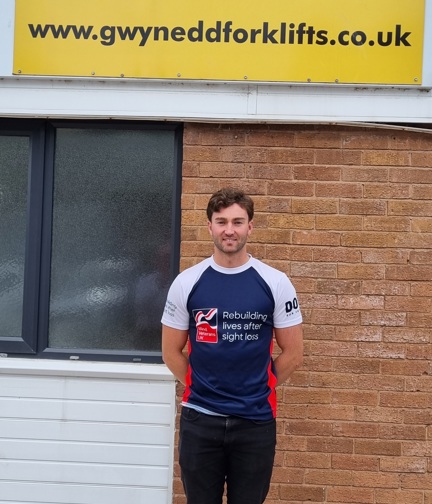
[{"x": 230, "y": 260}]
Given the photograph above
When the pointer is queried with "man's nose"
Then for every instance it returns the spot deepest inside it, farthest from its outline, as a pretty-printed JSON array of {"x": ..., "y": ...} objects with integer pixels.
[{"x": 229, "y": 229}]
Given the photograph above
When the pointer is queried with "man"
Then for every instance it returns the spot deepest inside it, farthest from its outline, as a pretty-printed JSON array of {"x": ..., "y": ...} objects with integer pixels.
[{"x": 227, "y": 309}]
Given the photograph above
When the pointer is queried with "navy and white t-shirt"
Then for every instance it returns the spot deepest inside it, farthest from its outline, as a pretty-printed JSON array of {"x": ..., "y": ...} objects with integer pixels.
[{"x": 230, "y": 314}]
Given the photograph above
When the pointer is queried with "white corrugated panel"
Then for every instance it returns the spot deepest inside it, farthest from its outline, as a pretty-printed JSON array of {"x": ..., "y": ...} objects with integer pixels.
[{"x": 85, "y": 433}]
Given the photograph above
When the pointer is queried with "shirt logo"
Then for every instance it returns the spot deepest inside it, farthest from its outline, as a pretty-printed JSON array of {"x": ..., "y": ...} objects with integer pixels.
[{"x": 206, "y": 325}]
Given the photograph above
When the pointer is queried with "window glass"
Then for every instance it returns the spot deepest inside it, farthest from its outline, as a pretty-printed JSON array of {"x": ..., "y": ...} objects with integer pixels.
[
  {"x": 14, "y": 161},
  {"x": 111, "y": 229}
]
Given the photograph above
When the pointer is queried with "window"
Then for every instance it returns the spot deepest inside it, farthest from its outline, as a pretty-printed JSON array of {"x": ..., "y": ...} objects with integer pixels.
[{"x": 90, "y": 233}]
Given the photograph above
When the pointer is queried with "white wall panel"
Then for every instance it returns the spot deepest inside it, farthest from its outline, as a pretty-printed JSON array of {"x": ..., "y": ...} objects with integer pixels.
[{"x": 81, "y": 433}]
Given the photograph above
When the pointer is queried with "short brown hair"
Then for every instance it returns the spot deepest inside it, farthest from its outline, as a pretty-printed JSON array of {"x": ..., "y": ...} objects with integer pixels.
[{"x": 228, "y": 196}]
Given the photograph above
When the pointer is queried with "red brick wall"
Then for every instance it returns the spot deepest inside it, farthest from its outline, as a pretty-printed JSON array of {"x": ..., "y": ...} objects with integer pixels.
[{"x": 347, "y": 214}]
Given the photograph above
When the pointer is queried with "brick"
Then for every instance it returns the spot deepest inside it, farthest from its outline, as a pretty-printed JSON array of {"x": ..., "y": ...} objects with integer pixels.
[
  {"x": 191, "y": 169},
  {"x": 313, "y": 270},
  {"x": 387, "y": 256},
  {"x": 388, "y": 448},
  {"x": 423, "y": 257},
  {"x": 322, "y": 332},
  {"x": 361, "y": 271},
  {"x": 379, "y": 414},
  {"x": 417, "y": 449},
  {"x": 420, "y": 319},
  {"x": 406, "y": 368},
  {"x": 367, "y": 239},
  {"x": 307, "y": 428},
  {"x": 334, "y": 477},
  {"x": 363, "y": 207},
  {"x": 274, "y": 204},
  {"x": 360, "y": 302},
  {"x": 318, "y": 301},
  {"x": 417, "y": 351},
  {"x": 382, "y": 350},
  {"x": 270, "y": 172},
  {"x": 287, "y": 474},
  {"x": 419, "y": 225},
  {"x": 423, "y": 159},
  {"x": 385, "y": 158},
  {"x": 192, "y": 134},
  {"x": 289, "y": 156},
  {"x": 396, "y": 496},
  {"x": 272, "y": 235},
  {"x": 423, "y": 288},
  {"x": 316, "y": 238},
  {"x": 409, "y": 304},
  {"x": 406, "y": 335},
  {"x": 383, "y": 318},
  {"x": 357, "y": 366},
  {"x": 366, "y": 139},
  {"x": 414, "y": 272},
  {"x": 270, "y": 138},
  {"x": 326, "y": 190},
  {"x": 338, "y": 286},
  {"x": 386, "y": 191},
  {"x": 421, "y": 192},
  {"x": 284, "y": 188},
  {"x": 365, "y": 174},
  {"x": 408, "y": 400},
  {"x": 347, "y": 495},
  {"x": 349, "y": 333},
  {"x": 337, "y": 157},
  {"x": 288, "y": 221},
  {"x": 314, "y": 206},
  {"x": 406, "y": 432},
  {"x": 416, "y": 481},
  {"x": 334, "y": 318},
  {"x": 381, "y": 382},
  {"x": 419, "y": 384},
  {"x": 316, "y": 173},
  {"x": 355, "y": 462},
  {"x": 317, "y": 139},
  {"x": 310, "y": 396},
  {"x": 376, "y": 480},
  {"x": 221, "y": 170},
  {"x": 303, "y": 493},
  {"x": 404, "y": 464},
  {"x": 306, "y": 460},
  {"x": 411, "y": 208},
  {"x": 333, "y": 380},
  {"x": 356, "y": 430},
  {"x": 365, "y": 398},
  {"x": 385, "y": 287},
  {"x": 339, "y": 222},
  {"x": 387, "y": 223},
  {"x": 212, "y": 136},
  {"x": 282, "y": 252}
]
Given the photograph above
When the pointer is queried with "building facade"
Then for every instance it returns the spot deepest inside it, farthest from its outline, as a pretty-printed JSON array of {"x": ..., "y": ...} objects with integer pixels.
[{"x": 104, "y": 182}]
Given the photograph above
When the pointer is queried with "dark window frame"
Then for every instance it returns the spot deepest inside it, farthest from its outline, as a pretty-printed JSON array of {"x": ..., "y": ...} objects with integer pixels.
[{"x": 34, "y": 340}]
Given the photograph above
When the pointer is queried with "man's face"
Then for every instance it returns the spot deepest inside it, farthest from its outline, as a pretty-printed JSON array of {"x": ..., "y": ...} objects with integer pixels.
[{"x": 230, "y": 229}]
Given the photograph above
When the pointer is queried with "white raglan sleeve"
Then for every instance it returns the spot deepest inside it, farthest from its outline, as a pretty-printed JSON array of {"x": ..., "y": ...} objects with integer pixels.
[
  {"x": 175, "y": 312},
  {"x": 287, "y": 310}
]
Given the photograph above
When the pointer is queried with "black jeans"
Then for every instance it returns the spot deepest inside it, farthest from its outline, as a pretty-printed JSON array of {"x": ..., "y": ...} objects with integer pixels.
[{"x": 214, "y": 450}]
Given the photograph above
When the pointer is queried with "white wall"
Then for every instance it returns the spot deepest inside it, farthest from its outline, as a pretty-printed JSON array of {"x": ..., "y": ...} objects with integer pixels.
[{"x": 85, "y": 432}]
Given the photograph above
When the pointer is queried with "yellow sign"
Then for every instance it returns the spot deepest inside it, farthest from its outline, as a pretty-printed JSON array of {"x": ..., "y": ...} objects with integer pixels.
[{"x": 332, "y": 41}]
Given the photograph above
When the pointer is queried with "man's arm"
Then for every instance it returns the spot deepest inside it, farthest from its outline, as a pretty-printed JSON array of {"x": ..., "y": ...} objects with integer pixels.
[
  {"x": 290, "y": 341},
  {"x": 173, "y": 342}
]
